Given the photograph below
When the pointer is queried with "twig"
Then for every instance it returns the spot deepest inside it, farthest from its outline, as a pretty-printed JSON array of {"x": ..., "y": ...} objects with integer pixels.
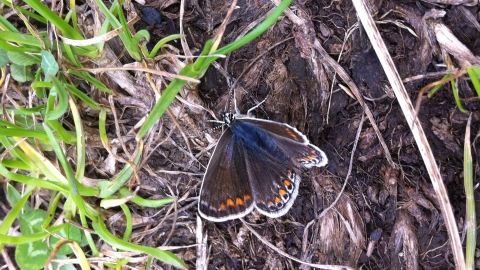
[
  {"x": 350, "y": 165},
  {"x": 270, "y": 245}
]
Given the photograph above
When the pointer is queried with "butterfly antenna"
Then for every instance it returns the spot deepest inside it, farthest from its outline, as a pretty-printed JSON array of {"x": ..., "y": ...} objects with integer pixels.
[
  {"x": 258, "y": 105},
  {"x": 198, "y": 134},
  {"x": 214, "y": 128},
  {"x": 233, "y": 99}
]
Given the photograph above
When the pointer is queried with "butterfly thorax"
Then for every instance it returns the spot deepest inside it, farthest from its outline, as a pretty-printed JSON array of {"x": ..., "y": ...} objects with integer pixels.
[{"x": 228, "y": 118}]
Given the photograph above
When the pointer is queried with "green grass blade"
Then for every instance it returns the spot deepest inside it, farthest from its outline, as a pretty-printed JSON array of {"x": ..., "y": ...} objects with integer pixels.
[
  {"x": 15, "y": 164},
  {"x": 457, "y": 97},
  {"x": 63, "y": 134},
  {"x": 165, "y": 100},
  {"x": 44, "y": 165},
  {"x": 62, "y": 102},
  {"x": 145, "y": 202},
  {"x": 6, "y": 46},
  {"x": 5, "y": 24},
  {"x": 25, "y": 12},
  {"x": 17, "y": 240},
  {"x": 73, "y": 183},
  {"x": 29, "y": 111},
  {"x": 83, "y": 97},
  {"x": 16, "y": 153},
  {"x": 80, "y": 141},
  {"x": 32, "y": 181},
  {"x": 10, "y": 218},
  {"x": 264, "y": 26},
  {"x": 89, "y": 78},
  {"x": 52, "y": 208},
  {"x": 52, "y": 17},
  {"x": 470, "y": 219},
  {"x": 124, "y": 36},
  {"x": 129, "y": 221},
  {"x": 164, "y": 256},
  {"x": 474, "y": 73},
  {"x": 108, "y": 188},
  {"x": 162, "y": 42},
  {"x": 19, "y": 132}
]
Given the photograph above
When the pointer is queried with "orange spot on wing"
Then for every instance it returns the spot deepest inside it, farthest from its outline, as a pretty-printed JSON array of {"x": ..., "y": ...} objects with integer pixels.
[
  {"x": 308, "y": 158},
  {"x": 291, "y": 134},
  {"x": 223, "y": 206},
  {"x": 282, "y": 192},
  {"x": 247, "y": 197},
  {"x": 239, "y": 201},
  {"x": 278, "y": 200},
  {"x": 287, "y": 183},
  {"x": 230, "y": 202}
]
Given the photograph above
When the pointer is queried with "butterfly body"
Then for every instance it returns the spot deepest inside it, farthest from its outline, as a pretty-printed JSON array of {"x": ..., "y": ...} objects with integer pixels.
[{"x": 256, "y": 164}]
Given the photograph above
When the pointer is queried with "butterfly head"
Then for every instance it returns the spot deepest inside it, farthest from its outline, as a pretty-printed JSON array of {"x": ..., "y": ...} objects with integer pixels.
[{"x": 228, "y": 118}]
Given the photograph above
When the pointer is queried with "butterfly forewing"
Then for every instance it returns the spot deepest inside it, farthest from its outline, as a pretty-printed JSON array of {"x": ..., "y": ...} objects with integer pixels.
[
  {"x": 226, "y": 192},
  {"x": 279, "y": 129},
  {"x": 291, "y": 141}
]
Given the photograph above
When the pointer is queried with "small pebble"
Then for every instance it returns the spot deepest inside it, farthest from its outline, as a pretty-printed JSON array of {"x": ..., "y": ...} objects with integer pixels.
[{"x": 151, "y": 16}]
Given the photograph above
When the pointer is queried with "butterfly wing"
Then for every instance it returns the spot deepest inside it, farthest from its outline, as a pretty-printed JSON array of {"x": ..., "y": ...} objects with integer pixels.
[
  {"x": 294, "y": 143},
  {"x": 274, "y": 153},
  {"x": 226, "y": 192},
  {"x": 275, "y": 183}
]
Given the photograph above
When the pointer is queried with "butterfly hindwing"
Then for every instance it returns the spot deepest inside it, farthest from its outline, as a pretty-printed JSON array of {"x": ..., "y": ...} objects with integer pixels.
[{"x": 274, "y": 182}]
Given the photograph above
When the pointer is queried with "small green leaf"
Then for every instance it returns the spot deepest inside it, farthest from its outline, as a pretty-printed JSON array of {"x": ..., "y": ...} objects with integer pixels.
[
  {"x": 3, "y": 58},
  {"x": 64, "y": 266},
  {"x": 23, "y": 59},
  {"x": 32, "y": 255},
  {"x": 49, "y": 65},
  {"x": 31, "y": 221},
  {"x": 21, "y": 73}
]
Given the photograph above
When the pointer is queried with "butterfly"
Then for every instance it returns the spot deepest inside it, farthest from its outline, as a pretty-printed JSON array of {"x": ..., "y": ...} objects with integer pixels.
[{"x": 256, "y": 164}]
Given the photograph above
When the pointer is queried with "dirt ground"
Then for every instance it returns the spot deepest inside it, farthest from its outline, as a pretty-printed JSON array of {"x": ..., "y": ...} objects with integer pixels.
[{"x": 387, "y": 217}]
